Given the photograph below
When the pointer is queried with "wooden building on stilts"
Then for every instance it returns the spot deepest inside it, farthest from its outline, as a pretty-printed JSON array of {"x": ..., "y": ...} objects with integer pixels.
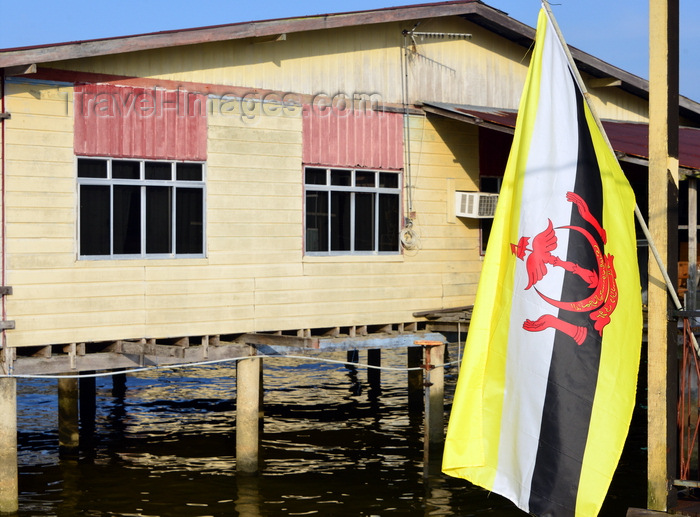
[{"x": 312, "y": 184}]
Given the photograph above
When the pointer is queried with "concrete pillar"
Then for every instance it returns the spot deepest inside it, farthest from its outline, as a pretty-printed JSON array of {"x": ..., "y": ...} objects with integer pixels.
[
  {"x": 68, "y": 417},
  {"x": 248, "y": 387},
  {"x": 9, "y": 491}
]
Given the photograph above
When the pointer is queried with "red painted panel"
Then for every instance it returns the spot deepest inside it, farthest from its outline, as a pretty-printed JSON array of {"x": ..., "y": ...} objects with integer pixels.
[
  {"x": 128, "y": 122},
  {"x": 359, "y": 138}
]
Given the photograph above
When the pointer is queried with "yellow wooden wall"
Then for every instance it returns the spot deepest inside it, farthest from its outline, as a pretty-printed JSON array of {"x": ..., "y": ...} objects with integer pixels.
[
  {"x": 484, "y": 70},
  {"x": 255, "y": 276}
]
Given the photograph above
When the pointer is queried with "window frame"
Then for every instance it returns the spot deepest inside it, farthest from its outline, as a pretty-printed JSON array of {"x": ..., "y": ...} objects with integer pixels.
[
  {"x": 353, "y": 189},
  {"x": 172, "y": 184}
]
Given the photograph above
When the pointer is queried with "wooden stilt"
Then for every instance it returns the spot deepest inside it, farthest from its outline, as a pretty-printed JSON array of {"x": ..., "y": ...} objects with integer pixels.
[
  {"x": 663, "y": 227},
  {"x": 88, "y": 410},
  {"x": 353, "y": 356},
  {"x": 374, "y": 375},
  {"x": 9, "y": 492},
  {"x": 247, "y": 414},
  {"x": 434, "y": 428},
  {"x": 434, "y": 395},
  {"x": 415, "y": 378},
  {"x": 119, "y": 385},
  {"x": 68, "y": 417}
]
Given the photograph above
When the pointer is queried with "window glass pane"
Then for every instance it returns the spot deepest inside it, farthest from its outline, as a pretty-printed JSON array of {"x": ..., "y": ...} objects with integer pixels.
[
  {"x": 388, "y": 222},
  {"x": 341, "y": 178},
  {"x": 189, "y": 171},
  {"x": 89, "y": 168},
  {"x": 364, "y": 222},
  {"x": 94, "y": 220},
  {"x": 189, "y": 220},
  {"x": 158, "y": 220},
  {"x": 388, "y": 180},
  {"x": 340, "y": 221},
  {"x": 127, "y": 219},
  {"x": 489, "y": 184},
  {"x": 317, "y": 221},
  {"x": 315, "y": 176},
  {"x": 364, "y": 178},
  {"x": 158, "y": 171},
  {"x": 127, "y": 170}
]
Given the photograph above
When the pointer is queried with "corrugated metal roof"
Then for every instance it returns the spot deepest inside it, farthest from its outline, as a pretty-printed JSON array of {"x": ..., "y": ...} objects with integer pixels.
[{"x": 628, "y": 138}]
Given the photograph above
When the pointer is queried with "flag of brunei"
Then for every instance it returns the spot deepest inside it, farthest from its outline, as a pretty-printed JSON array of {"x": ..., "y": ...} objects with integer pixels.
[{"x": 548, "y": 379}]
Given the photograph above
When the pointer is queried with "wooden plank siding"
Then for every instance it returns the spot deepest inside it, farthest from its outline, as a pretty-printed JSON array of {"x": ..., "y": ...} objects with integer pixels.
[
  {"x": 254, "y": 275},
  {"x": 484, "y": 70}
]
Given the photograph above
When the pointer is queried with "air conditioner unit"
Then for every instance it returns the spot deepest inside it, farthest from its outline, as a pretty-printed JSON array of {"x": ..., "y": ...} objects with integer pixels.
[{"x": 475, "y": 204}]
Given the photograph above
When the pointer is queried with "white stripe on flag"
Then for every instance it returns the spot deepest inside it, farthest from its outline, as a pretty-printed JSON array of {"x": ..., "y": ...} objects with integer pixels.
[{"x": 550, "y": 174}]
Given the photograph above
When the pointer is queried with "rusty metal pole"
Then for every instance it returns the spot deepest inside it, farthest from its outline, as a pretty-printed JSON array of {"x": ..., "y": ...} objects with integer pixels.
[
  {"x": 663, "y": 226},
  {"x": 9, "y": 491}
]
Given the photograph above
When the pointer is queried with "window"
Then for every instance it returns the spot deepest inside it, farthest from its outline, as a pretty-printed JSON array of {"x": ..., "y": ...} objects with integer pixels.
[
  {"x": 138, "y": 208},
  {"x": 352, "y": 211},
  {"x": 488, "y": 184}
]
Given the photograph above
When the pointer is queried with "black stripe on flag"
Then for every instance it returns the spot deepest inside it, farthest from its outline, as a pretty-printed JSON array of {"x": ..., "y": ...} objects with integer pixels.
[{"x": 574, "y": 368}]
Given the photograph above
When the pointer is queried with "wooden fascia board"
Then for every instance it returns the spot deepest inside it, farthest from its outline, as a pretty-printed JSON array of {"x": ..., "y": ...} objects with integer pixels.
[
  {"x": 84, "y": 49},
  {"x": 469, "y": 119}
]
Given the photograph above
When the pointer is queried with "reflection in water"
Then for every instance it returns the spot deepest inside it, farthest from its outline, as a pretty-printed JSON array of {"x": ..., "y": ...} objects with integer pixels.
[{"x": 335, "y": 442}]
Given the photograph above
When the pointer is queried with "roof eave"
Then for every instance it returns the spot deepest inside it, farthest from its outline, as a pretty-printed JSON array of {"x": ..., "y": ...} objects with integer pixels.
[
  {"x": 102, "y": 47},
  {"x": 524, "y": 35},
  {"x": 473, "y": 10}
]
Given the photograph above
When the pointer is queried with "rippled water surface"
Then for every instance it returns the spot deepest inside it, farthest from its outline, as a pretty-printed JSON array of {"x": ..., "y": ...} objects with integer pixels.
[{"x": 333, "y": 444}]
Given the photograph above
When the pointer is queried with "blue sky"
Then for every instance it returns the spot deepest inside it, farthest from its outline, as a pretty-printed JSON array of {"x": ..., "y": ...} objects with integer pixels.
[{"x": 613, "y": 30}]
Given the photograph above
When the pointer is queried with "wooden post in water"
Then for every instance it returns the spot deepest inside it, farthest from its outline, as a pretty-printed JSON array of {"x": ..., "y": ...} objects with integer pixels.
[
  {"x": 415, "y": 378},
  {"x": 68, "y": 417},
  {"x": 9, "y": 491},
  {"x": 248, "y": 386},
  {"x": 119, "y": 385},
  {"x": 663, "y": 227},
  {"x": 434, "y": 425},
  {"x": 374, "y": 375},
  {"x": 88, "y": 411}
]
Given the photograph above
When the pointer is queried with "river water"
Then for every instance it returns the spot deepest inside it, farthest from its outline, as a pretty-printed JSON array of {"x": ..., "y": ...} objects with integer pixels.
[{"x": 333, "y": 444}]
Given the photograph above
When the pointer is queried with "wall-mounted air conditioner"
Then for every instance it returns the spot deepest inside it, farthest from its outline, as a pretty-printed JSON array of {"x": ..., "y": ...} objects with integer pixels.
[{"x": 475, "y": 204}]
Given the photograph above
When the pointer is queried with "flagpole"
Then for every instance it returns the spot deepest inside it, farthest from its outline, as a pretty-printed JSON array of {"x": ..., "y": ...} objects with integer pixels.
[{"x": 637, "y": 212}]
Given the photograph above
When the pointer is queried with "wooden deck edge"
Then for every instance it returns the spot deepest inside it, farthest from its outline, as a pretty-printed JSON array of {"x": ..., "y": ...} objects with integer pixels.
[{"x": 74, "y": 358}]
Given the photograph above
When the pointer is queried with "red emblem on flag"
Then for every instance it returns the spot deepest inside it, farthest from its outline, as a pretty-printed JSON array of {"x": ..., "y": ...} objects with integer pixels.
[{"x": 600, "y": 304}]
